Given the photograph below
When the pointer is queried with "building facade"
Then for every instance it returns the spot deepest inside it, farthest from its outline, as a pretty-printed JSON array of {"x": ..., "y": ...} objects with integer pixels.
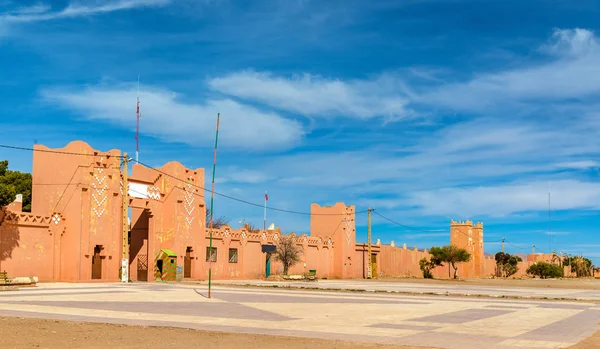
[{"x": 74, "y": 232}]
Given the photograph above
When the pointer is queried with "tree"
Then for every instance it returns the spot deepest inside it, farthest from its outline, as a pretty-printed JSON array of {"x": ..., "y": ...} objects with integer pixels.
[
  {"x": 13, "y": 183},
  {"x": 545, "y": 270},
  {"x": 217, "y": 222},
  {"x": 250, "y": 227},
  {"x": 427, "y": 265},
  {"x": 287, "y": 252},
  {"x": 506, "y": 264},
  {"x": 580, "y": 265},
  {"x": 452, "y": 255}
]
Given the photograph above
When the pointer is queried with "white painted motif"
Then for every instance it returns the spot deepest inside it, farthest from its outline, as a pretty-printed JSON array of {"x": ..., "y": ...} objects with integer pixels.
[
  {"x": 56, "y": 218},
  {"x": 99, "y": 190},
  {"x": 188, "y": 203},
  {"x": 348, "y": 221},
  {"x": 153, "y": 193}
]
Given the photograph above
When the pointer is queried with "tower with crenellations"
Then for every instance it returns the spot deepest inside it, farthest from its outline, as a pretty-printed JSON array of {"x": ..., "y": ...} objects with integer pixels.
[{"x": 470, "y": 237}]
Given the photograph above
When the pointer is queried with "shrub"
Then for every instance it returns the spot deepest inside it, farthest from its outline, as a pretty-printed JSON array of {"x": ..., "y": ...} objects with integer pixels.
[{"x": 545, "y": 270}]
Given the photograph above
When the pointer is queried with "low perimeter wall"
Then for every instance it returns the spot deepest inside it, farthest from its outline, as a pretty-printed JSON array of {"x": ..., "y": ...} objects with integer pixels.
[{"x": 398, "y": 262}]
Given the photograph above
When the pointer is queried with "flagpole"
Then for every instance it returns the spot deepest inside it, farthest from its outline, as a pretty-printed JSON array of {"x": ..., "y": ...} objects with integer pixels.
[
  {"x": 212, "y": 200},
  {"x": 265, "y": 218}
]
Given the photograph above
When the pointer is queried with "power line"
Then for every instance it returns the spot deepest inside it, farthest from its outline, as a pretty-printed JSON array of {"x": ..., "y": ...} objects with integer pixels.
[
  {"x": 406, "y": 226},
  {"x": 186, "y": 182},
  {"x": 246, "y": 201},
  {"x": 515, "y": 246}
]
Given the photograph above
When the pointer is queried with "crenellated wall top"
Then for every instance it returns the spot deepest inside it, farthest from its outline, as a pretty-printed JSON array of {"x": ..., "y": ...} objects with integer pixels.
[
  {"x": 467, "y": 223},
  {"x": 266, "y": 236},
  {"x": 338, "y": 206}
]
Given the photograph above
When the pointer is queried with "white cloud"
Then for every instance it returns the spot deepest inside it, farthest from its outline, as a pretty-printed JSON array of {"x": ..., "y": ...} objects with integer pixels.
[
  {"x": 43, "y": 12},
  {"x": 558, "y": 233},
  {"x": 511, "y": 162},
  {"x": 578, "y": 165},
  {"x": 571, "y": 69},
  {"x": 504, "y": 200},
  {"x": 166, "y": 116},
  {"x": 316, "y": 96},
  {"x": 235, "y": 174},
  {"x": 571, "y": 42},
  {"x": 574, "y": 72}
]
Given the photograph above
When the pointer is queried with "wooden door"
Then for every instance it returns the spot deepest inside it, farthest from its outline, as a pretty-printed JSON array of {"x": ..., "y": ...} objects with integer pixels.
[
  {"x": 142, "y": 267},
  {"x": 187, "y": 263},
  {"x": 96, "y": 264},
  {"x": 374, "y": 263}
]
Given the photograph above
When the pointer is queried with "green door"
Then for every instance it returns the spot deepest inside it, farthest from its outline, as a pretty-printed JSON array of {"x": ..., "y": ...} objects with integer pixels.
[{"x": 268, "y": 267}]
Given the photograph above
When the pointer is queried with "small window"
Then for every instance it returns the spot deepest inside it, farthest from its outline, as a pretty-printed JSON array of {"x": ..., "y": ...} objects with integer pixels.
[
  {"x": 233, "y": 255},
  {"x": 212, "y": 258},
  {"x": 172, "y": 261}
]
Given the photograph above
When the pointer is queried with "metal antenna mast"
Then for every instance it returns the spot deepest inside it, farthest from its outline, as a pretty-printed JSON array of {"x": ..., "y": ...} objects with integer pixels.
[{"x": 137, "y": 123}]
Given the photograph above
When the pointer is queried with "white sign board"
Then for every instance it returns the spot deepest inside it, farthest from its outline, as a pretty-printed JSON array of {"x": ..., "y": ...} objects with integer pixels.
[{"x": 124, "y": 270}]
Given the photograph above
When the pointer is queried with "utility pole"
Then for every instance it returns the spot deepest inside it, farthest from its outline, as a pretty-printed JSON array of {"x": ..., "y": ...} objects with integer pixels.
[
  {"x": 370, "y": 260},
  {"x": 125, "y": 256},
  {"x": 532, "y": 249},
  {"x": 212, "y": 200},
  {"x": 502, "y": 245}
]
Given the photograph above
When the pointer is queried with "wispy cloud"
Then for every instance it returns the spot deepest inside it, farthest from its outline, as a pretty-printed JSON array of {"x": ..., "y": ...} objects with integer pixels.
[
  {"x": 44, "y": 12},
  {"x": 501, "y": 200},
  {"x": 572, "y": 72},
  {"x": 165, "y": 115},
  {"x": 578, "y": 165},
  {"x": 559, "y": 233},
  {"x": 317, "y": 96}
]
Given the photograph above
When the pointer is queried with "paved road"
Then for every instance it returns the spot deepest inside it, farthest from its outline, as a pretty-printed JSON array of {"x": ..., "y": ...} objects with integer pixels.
[
  {"x": 556, "y": 293},
  {"x": 444, "y": 322}
]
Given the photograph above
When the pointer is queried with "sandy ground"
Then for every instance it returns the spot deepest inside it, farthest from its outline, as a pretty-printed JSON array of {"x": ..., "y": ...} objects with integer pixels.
[
  {"x": 587, "y": 284},
  {"x": 591, "y": 343},
  {"x": 20, "y": 333}
]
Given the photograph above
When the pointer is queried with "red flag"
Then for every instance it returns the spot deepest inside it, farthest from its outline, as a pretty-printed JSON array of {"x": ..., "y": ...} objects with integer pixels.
[{"x": 266, "y": 197}]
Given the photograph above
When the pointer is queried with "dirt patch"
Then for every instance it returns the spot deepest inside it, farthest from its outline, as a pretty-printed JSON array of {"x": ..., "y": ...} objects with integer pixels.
[
  {"x": 18, "y": 333},
  {"x": 591, "y": 342}
]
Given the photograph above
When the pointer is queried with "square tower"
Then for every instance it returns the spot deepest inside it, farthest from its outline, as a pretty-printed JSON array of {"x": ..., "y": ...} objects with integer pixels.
[
  {"x": 336, "y": 223},
  {"x": 470, "y": 237}
]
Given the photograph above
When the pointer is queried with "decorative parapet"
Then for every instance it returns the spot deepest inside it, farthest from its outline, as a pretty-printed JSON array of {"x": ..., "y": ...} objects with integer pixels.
[
  {"x": 467, "y": 222},
  {"x": 266, "y": 236},
  {"x": 26, "y": 219}
]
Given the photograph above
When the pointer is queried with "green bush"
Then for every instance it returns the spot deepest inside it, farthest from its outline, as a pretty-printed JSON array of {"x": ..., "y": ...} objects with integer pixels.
[{"x": 545, "y": 270}]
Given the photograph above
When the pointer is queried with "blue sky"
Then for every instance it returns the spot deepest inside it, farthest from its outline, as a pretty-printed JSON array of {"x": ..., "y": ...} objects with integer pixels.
[{"x": 425, "y": 110}]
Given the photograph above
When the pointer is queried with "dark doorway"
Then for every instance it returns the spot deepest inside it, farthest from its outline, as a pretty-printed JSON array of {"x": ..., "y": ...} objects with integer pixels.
[
  {"x": 159, "y": 266},
  {"x": 187, "y": 263},
  {"x": 97, "y": 263},
  {"x": 138, "y": 248}
]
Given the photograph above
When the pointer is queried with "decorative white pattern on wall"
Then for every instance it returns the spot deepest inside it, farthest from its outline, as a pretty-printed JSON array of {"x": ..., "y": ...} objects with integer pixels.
[
  {"x": 153, "y": 193},
  {"x": 348, "y": 221},
  {"x": 188, "y": 204},
  {"x": 99, "y": 190}
]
